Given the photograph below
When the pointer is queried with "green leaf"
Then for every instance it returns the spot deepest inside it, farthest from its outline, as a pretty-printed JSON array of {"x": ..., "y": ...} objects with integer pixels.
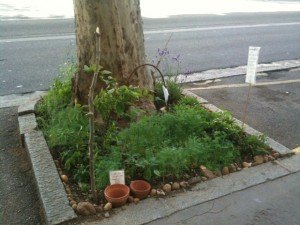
[
  {"x": 157, "y": 173},
  {"x": 105, "y": 72}
]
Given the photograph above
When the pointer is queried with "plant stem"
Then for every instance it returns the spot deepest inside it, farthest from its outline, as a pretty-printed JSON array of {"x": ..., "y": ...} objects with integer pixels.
[{"x": 92, "y": 117}]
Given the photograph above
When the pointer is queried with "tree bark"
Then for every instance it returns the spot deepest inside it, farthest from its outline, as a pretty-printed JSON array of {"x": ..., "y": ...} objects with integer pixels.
[{"x": 122, "y": 42}]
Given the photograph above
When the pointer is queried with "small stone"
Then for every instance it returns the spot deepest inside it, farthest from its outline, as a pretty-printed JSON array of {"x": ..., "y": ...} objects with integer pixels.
[
  {"x": 73, "y": 202},
  {"x": 56, "y": 162},
  {"x": 167, "y": 188},
  {"x": 271, "y": 158},
  {"x": 232, "y": 168},
  {"x": 255, "y": 164},
  {"x": 136, "y": 200},
  {"x": 74, "y": 206},
  {"x": 106, "y": 215},
  {"x": 86, "y": 209},
  {"x": 130, "y": 199},
  {"x": 175, "y": 186},
  {"x": 266, "y": 159},
  {"x": 203, "y": 178},
  {"x": 107, "y": 206},
  {"x": 64, "y": 178},
  {"x": 153, "y": 192},
  {"x": 246, "y": 165},
  {"x": 194, "y": 180},
  {"x": 160, "y": 192},
  {"x": 207, "y": 173},
  {"x": 183, "y": 184},
  {"x": 186, "y": 176},
  {"x": 218, "y": 173},
  {"x": 225, "y": 170},
  {"x": 70, "y": 199},
  {"x": 68, "y": 190},
  {"x": 258, "y": 159},
  {"x": 276, "y": 155},
  {"x": 163, "y": 109}
]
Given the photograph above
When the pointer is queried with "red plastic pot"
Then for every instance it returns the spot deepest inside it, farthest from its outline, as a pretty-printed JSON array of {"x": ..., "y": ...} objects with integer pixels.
[
  {"x": 117, "y": 194},
  {"x": 140, "y": 188}
]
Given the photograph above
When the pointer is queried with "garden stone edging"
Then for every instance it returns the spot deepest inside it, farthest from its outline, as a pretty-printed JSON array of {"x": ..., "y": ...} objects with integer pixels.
[
  {"x": 51, "y": 190},
  {"x": 153, "y": 209},
  {"x": 54, "y": 199}
]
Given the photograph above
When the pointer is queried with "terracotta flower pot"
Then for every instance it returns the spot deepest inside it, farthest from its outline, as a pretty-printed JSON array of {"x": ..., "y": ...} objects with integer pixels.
[
  {"x": 117, "y": 194},
  {"x": 140, "y": 188}
]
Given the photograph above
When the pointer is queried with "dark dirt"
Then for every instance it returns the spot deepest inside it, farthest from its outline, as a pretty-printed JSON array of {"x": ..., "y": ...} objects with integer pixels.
[{"x": 19, "y": 203}]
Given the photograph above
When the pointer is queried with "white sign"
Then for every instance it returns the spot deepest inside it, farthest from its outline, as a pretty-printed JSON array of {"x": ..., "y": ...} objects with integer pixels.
[
  {"x": 117, "y": 177},
  {"x": 166, "y": 94},
  {"x": 252, "y": 64}
]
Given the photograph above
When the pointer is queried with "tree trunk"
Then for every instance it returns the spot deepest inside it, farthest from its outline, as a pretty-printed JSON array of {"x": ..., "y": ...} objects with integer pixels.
[{"x": 122, "y": 42}]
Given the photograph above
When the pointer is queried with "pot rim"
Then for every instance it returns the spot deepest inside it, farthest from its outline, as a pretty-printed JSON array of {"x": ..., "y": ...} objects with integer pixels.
[
  {"x": 141, "y": 181},
  {"x": 121, "y": 185}
]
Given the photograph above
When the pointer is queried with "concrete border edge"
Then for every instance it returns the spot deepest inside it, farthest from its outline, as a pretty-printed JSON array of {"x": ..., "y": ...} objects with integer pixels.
[{"x": 52, "y": 194}]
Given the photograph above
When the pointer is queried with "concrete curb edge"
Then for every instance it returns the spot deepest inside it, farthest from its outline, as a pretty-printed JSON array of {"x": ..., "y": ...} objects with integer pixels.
[{"x": 51, "y": 190}]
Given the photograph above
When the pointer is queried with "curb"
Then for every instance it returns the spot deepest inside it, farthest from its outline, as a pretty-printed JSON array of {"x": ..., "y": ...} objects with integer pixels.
[
  {"x": 51, "y": 190},
  {"x": 235, "y": 71}
]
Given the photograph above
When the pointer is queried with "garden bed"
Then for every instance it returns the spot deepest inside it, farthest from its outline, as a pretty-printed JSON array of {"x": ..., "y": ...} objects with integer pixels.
[{"x": 183, "y": 145}]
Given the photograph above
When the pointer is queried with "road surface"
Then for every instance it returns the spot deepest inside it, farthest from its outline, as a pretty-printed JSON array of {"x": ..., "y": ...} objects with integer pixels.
[{"x": 31, "y": 51}]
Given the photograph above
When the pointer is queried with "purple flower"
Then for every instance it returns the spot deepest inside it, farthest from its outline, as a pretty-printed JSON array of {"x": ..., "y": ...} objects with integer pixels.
[{"x": 176, "y": 58}]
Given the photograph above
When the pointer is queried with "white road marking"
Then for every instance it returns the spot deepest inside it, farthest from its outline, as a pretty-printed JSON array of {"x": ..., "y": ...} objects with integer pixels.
[
  {"x": 180, "y": 30},
  {"x": 245, "y": 85}
]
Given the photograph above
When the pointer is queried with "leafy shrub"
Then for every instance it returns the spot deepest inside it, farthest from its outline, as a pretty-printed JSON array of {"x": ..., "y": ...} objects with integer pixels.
[
  {"x": 60, "y": 94},
  {"x": 173, "y": 143},
  {"x": 115, "y": 101}
]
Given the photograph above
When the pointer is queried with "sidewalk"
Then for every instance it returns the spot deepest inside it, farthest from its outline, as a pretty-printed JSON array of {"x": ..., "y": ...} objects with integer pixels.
[{"x": 19, "y": 203}]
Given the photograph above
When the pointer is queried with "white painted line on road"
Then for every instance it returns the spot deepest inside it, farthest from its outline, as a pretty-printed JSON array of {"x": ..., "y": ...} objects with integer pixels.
[
  {"x": 63, "y": 37},
  {"x": 46, "y": 38},
  {"x": 245, "y": 85},
  {"x": 240, "y": 70},
  {"x": 221, "y": 28}
]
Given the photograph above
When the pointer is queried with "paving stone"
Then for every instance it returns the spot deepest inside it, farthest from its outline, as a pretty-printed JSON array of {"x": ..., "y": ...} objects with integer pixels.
[
  {"x": 27, "y": 108},
  {"x": 27, "y": 123},
  {"x": 51, "y": 189}
]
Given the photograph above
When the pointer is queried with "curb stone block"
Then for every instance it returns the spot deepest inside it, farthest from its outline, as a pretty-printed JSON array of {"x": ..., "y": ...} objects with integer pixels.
[
  {"x": 27, "y": 108},
  {"x": 27, "y": 123},
  {"x": 51, "y": 190},
  {"x": 191, "y": 94}
]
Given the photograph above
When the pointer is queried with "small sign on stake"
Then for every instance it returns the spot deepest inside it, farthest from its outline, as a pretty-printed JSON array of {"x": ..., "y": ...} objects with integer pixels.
[
  {"x": 252, "y": 64},
  {"x": 117, "y": 177},
  {"x": 250, "y": 75},
  {"x": 166, "y": 94}
]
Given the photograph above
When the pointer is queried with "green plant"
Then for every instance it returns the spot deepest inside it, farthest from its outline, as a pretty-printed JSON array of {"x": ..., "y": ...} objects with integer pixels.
[
  {"x": 60, "y": 94},
  {"x": 175, "y": 93}
]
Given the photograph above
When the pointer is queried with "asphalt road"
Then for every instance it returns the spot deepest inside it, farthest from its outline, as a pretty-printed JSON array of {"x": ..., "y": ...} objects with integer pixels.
[{"x": 31, "y": 51}]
